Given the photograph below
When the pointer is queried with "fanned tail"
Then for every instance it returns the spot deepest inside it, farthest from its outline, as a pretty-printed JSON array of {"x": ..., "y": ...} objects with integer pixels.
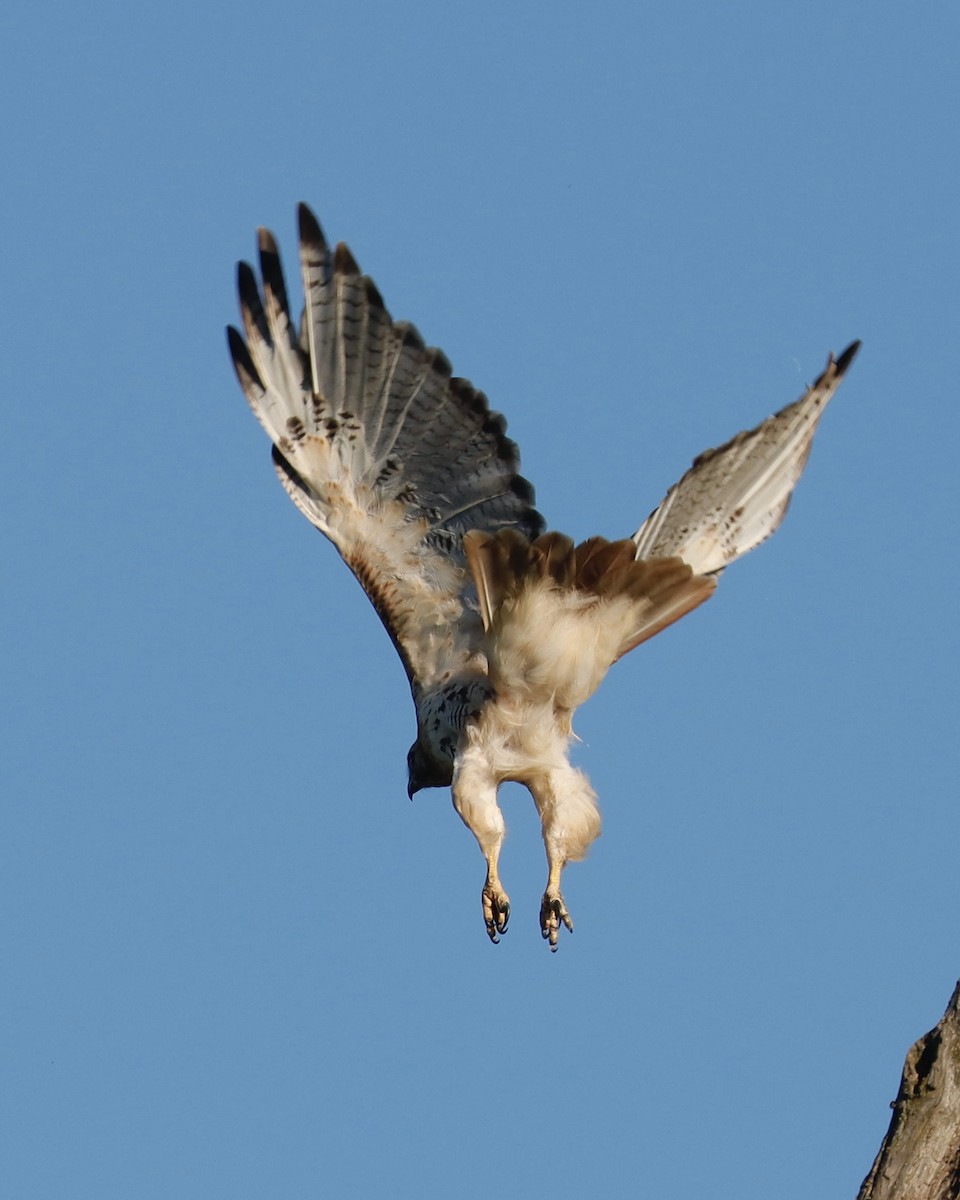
[{"x": 558, "y": 615}]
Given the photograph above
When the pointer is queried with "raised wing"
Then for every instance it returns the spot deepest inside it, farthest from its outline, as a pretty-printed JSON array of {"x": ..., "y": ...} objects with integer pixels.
[
  {"x": 378, "y": 445},
  {"x": 735, "y": 497}
]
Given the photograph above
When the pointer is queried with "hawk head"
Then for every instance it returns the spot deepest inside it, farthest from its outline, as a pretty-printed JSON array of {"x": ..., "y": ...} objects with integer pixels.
[{"x": 424, "y": 770}]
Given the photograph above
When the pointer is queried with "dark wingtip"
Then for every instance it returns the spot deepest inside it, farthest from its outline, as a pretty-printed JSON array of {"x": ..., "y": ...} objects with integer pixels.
[
  {"x": 271, "y": 270},
  {"x": 310, "y": 232},
  {"x": 266, "y": 242},
  {"x": 243, "y": 364},
  {"x": 374, "y": 299},
  {"x": 410, "y": 336},
  {"x": 523, "y": 489},
  {"x": 343, "y": 261},
  {"x": 439, "y": 361},
  {"x": 246, "y": 279},
  {"x": 847, "y": 357}
]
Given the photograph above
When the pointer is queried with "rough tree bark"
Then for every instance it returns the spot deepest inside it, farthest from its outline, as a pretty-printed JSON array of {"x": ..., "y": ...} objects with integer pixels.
[{"x": 920, "y": 1156}]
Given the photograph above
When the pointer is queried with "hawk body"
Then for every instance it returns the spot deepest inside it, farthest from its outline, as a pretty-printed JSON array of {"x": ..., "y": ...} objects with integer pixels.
[{"x": 503, "y": 629}]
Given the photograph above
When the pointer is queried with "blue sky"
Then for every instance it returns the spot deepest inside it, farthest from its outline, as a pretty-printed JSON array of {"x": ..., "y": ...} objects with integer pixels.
[{"x": 237, "y": 961}]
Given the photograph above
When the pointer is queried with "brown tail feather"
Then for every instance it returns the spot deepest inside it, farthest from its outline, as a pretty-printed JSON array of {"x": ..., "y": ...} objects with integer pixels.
[
  {"x": 498, "y": 563},
  {"x": 555, "y": 556},
  {"x": 663, "y": 589},
  {"x": 505, "y": 562},
  {"x": 596, "y": 557},
  {"x": 665, "y": 600}
]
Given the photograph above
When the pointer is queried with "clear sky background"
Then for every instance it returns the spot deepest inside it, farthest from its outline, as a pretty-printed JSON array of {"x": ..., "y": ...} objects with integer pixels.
[{"x": 237, "y": 962}]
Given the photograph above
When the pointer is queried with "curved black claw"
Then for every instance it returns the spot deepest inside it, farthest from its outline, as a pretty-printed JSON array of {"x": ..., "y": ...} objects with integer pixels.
[
  {"x": 553, "y": 914},
  {"x": 496, "y": 911}
]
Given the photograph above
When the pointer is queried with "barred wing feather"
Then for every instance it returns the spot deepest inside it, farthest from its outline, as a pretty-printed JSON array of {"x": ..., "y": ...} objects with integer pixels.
[
  {"x": 378, "y": 445},
  {"x": 733, "y": 498}
]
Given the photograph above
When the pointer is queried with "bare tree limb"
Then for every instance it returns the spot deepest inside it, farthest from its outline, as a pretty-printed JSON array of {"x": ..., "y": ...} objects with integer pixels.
[{"x": 920, "y": 1156}]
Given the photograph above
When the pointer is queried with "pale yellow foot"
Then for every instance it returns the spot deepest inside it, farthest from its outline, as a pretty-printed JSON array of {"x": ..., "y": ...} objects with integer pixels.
[
  {"x": 553, "y": 914},
  {"x": 496, "y": 909}
]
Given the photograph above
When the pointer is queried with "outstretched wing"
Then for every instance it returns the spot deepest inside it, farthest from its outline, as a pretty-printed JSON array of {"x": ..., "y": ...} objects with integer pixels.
[
  {"x": 378, "y": 445},
  {"x": 735, "y": 497}
]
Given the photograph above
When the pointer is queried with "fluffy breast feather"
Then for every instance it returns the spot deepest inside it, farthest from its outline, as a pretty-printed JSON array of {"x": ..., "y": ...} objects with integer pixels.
[{"x": 552, "y": 645}]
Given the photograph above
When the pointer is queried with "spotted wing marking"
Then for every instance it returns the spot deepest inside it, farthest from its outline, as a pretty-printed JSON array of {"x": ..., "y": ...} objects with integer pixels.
[{"x": 733, "y": 498}]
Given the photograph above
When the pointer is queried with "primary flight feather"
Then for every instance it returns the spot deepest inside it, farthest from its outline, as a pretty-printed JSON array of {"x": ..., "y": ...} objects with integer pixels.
[{"x": 503, "y": 629}]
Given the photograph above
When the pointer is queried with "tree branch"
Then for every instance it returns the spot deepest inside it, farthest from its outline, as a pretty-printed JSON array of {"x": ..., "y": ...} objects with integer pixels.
[{"x": 920, "y": 1156}]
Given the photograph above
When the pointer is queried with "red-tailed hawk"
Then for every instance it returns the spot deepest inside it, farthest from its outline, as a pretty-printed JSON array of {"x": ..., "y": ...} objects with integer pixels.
[{"x": 503, "y": 629}]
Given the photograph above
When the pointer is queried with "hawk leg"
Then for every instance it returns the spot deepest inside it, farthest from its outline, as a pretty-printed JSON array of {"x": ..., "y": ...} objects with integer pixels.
[
  {"x": 553, "y": 910},
  {"x": 475, "y": 799},
  {"x": 568, "y": 812}
]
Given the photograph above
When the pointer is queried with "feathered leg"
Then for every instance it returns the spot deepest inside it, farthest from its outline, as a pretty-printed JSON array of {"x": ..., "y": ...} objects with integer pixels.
[
  {"x": 571, "y": 822},
  {"x": 475, "y": 799}
]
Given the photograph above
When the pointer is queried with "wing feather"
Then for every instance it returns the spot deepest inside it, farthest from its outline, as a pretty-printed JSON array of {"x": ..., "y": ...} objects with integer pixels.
[
  {"x": 733, "y": 498},
  {"x": 378, "y": 444}
]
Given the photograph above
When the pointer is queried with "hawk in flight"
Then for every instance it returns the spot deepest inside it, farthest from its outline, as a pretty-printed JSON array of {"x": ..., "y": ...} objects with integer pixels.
[{"x": 503, "y": 628}]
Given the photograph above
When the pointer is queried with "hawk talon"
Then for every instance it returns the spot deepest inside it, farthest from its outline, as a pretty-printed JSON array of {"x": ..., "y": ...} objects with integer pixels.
[
  {"x": 553, "y": 913},
  {"x": 496, "y": 912}
]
